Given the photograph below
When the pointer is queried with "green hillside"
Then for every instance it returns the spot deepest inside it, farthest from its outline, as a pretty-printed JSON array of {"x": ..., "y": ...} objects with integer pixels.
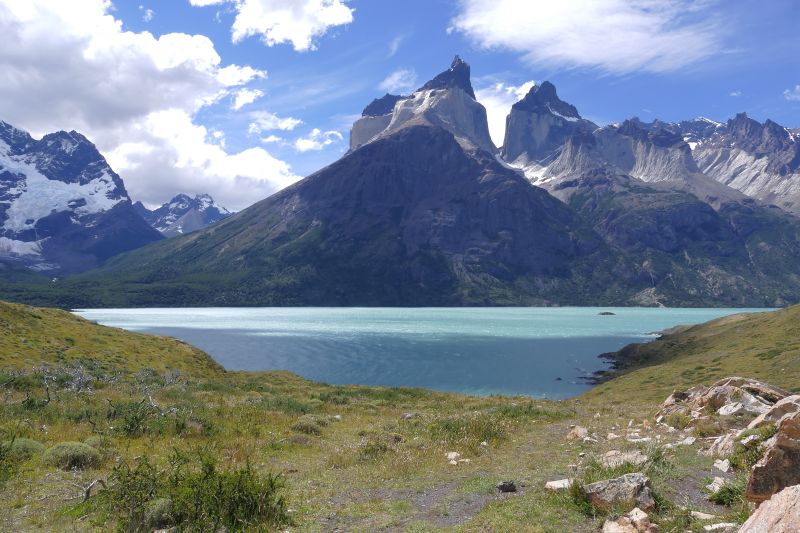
[{"x": 176, "y": 440}]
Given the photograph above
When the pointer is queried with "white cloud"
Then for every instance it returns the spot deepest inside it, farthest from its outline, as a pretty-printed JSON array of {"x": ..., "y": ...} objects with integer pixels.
[
  {"x": 403, "y": 79},
  {"x": 242, "y": 97},
  {"x": 147, "y": 14},
  {"x": 317, "y": 140},
  {"x": 616, "y": 36},
  {"x": 299, "y": 22},
  {"x": 736, "y": 94},
  {"x": 272, "y": 139},
  {"x": 265, "y": 121},
  {"x": 498, "y": 99},
  {"x": 792, "y": 94},
  {"x": 394, "y": 45},
  {"x": 70, "y": 65}
]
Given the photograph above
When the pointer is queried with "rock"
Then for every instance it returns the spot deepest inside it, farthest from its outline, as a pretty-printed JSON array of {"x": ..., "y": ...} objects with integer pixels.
[
  {"x": 507, "y": 486},
  {"x": 697, "y": 515},
  {"x": 786, "y": 406},
  {"x": 688, "y": 441},
  {"x": 636, "y": 440},
  {"x": 780, "y": 466},
  {"x": 715, "y": 485},
  {"x": 722, "y": 465},
  {"x": 337, "y": 418},
  {"x": 558, "y": 485},
  {"x": 729, "y": 395},
  {"x": 616, "y": 458},
  {"x": 630, "y": 490},
  {"x": 408, "y": 416},
  {"x": 722, "y": 526},
  {"x": 779, "y": 514},
  {"x": 484, "y": 443},
  {"x": 452, "y": 456},
  {"x": 590, "y": 440},
  {"x": 622, "y": 524},
  {"x": 612, "y": 436},
  {"x": 636, "y": 521},
  {"x": 723, "y": 445},
  {"x": 577, "y": 433},
  {"x": 453, "y": 462},
  {"x": 747, "y": 441}
]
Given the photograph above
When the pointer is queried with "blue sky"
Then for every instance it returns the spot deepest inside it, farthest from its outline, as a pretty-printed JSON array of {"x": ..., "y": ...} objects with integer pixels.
[{"x": 613, "y": 59}]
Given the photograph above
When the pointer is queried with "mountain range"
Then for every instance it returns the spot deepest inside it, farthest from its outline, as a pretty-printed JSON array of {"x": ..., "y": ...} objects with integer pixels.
[
  {"x": 183, "y": 214},
  {"x": 425, "y": 210}
]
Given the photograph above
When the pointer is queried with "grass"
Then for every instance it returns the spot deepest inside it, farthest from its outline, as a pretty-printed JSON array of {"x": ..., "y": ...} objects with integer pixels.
[{"x": 178, "y": 444}]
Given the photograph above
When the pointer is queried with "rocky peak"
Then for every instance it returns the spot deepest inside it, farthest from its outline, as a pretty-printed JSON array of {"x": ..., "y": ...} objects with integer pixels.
[
  {"x": 183, "y": 214},
  {"x": 458, "y": 75},
  {"x": 544, "y": 98},
  {"x": 381, "y": 106}
]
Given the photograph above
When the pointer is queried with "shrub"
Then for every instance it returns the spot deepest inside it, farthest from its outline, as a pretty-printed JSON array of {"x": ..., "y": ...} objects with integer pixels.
[
  {"x": 194, "y": 495},
  {"x": 469, "y": 430},
  {"x": 72, "y": 455},
  {"x": 678, "y": 420},
  {"x": 743, "y": 458},
  {"x": 307, "y": 426},
  {"x": 22, "y": 448},
  {"x": 707, "y": 428},
  {"x": 732, "y": 492}
]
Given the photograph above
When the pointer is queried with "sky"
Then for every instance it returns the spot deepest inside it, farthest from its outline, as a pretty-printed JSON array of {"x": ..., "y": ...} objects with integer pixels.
[{"x": 239, "y": 98}]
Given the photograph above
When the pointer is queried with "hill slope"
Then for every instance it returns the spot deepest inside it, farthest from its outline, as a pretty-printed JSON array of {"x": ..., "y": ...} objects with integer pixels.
[
  {"x": 764, "y": 346},
  {"x": 31, "y": 336}
]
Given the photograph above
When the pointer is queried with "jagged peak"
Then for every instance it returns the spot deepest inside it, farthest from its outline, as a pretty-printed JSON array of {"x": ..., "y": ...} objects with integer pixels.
[
  {"x": 544, "y": 98},
  {"x": 458, "y": 75},
  {"x": 381, "y": 106}
]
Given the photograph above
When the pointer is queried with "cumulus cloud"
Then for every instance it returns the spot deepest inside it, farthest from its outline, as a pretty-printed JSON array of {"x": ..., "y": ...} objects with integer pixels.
[
  {"x": 498, "y": 99},
  {"x": 317, "y": 140},
  {"x": 265, "y": 121},
  {"x": 792, "y": 94},
  {"x": 299, "y": 22},
  {"x": 70, "y": 65},
  {"x": 615, "y": 36},
  {"x": 736, "y": 94},
  {"x": 404, "y": 79},
  {"x": 242, "y": 97}
]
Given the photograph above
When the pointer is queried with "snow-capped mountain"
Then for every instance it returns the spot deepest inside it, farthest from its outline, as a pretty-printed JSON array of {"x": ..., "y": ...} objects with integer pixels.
[
  {"x": 62, "y": 208},
  {"x": 183, "y": 214}
]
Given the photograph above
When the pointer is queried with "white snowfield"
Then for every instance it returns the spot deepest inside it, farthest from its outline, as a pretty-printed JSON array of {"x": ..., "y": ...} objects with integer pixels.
[{"x": 36, "y": 196}]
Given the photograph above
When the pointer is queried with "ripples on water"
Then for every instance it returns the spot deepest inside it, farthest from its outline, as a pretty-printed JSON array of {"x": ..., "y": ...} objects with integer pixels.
[{"x": 531, "y": 351}]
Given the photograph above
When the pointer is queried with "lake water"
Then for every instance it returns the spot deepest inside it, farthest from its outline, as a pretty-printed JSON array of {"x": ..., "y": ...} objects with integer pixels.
[{"x": 541, "y": 352}]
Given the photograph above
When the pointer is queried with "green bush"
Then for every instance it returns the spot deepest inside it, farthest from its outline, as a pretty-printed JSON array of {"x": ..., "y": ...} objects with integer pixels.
[
  {"x": 469, "y": 430},
  {"x": 731, "y": 493},
  {"x": 194, "y": 495},
  {"x": 307, "y": 426},
  {"x": 678, "y": 420},
  {"x": 743, "y": 458},
  {"x": 22, "y": 448},
  {"x": 72, "y": 455}
]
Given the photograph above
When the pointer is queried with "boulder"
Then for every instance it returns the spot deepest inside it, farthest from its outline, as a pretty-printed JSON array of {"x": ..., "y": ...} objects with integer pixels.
[
  {"x": 786, "y": 406},
  {"x": 780, "y": 466},
  {"x": 630, "y": 490},
  {"x": 578, "y": 433},
  {"x": 727, "y": 396},
  {"x": 779, "y": 514},
  {"x": 723, "y": 465},
  {"x": 616, "y": 458}
]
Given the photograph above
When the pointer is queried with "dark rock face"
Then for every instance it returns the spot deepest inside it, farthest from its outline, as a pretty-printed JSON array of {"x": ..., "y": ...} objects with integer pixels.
[
  {"x": 183, "y": 214},
  {"x": 62, "y": 207},
  {"x": 456, "y": 76},
  {"x": 381, "y": 106}
]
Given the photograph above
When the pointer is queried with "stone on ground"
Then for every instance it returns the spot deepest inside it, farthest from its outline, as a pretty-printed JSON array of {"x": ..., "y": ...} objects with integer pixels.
[
  {"x": 628, "y": 491},
  {"x": 616, "y": 458}
]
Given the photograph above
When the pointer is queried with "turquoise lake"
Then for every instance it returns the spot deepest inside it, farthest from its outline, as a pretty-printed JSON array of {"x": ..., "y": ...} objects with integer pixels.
[{"x": 540, "y": 352}]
